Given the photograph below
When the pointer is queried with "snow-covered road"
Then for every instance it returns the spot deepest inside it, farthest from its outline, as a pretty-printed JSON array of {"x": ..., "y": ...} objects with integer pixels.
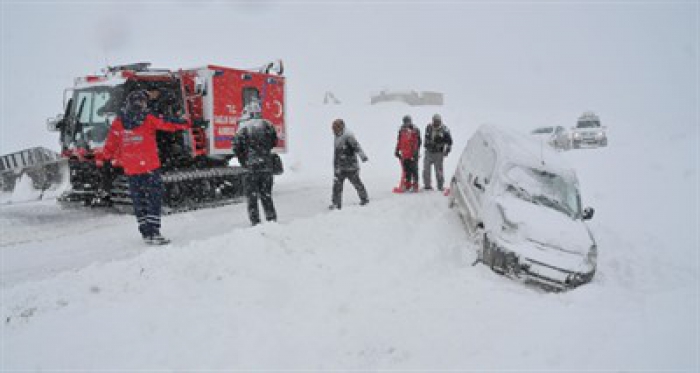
[{"x": 41, "y": 239}]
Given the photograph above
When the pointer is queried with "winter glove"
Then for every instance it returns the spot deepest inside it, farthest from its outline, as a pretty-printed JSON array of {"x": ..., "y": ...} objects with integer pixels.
[
  {"x": 364, "y": 158},
  {"x": 447, "y": 150},
  {"x": 397, "y": 154}
]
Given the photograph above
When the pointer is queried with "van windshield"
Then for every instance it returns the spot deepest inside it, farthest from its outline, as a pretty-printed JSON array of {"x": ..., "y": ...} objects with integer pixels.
[{"x": 544, "y": 188}]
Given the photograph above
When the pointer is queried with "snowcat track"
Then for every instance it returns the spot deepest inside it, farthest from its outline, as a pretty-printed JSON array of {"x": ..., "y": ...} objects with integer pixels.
[{"x": 185, "y": 191}]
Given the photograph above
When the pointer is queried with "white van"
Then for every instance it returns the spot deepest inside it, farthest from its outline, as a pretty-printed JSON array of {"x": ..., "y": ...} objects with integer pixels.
[{"x": 521, "y": 205}]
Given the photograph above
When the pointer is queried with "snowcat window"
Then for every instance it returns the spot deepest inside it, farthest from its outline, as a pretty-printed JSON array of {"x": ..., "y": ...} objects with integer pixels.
[
  {"x": 250, "y": 94},
  {"x": 93, "y": 113},
  {"x": 543, "y": 130},
  {"x": 101, "y": 99},
  {"x": 84, "y": 102}
]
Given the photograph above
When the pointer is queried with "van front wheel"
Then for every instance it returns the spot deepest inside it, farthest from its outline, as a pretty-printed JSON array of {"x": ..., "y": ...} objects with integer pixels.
[
  {"x": 484, "y": 254},
  {"x": 451, "y": 202}
]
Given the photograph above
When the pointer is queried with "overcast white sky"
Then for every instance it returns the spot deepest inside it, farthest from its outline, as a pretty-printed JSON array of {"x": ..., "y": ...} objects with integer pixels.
[{"x": 631, "y": 60}]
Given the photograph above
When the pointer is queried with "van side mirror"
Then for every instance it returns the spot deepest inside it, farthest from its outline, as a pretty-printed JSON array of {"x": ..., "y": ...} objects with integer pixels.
[
  {"x": 477, "y": 184},
  {"x": 588, "y": 213}
]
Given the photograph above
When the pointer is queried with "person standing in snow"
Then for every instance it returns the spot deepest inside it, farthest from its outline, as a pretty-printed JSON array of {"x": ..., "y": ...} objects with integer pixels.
[
  {"x": 345, "y": 165},
  {"x": 253, "y": 146},
  {"x": 438, "y": 143},
  {"x": 407, "y": 150},
  {"x": 132, "y": 140}
]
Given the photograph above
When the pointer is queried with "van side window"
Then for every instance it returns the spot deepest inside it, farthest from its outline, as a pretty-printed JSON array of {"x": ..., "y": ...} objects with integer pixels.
[
  {"x": 489, "y": 164},
  {"x": 471, "y": 154},
  {"x": 464, "y": 159}
]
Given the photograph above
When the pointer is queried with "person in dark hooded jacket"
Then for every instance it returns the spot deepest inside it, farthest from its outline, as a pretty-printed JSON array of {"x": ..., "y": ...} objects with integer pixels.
[
  {"x": 131, "y": 142},
  {"x": 253, "y": 145},
  {"x": 438, "y": 143},
  {"x": 345, "y": 165}
]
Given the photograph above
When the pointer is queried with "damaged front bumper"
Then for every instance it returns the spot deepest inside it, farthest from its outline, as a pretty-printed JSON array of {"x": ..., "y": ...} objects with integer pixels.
[
  {"x": 511, "y": 264},
  {"x": 551, "y": 276}
]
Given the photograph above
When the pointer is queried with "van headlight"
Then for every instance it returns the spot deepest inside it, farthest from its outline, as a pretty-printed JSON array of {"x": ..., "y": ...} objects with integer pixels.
[
  {"x": 592, "y": 256},
  {"x": 507, "y": 225}
]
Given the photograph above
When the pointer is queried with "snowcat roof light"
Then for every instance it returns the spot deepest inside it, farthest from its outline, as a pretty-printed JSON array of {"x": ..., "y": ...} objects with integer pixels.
[
  {"x": 139, "y": 66},
  {"x": 90, "y": 79}
]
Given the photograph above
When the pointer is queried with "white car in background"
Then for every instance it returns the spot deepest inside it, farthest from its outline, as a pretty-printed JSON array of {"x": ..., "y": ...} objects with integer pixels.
[
  {"x": 521, "y": 205},
  {"x": 588, "y": 132},
  {"x": 555, "y": 136}
]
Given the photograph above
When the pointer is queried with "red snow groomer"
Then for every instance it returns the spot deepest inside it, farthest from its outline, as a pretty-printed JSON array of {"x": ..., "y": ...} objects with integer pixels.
[{"x": 195, "y": 162}]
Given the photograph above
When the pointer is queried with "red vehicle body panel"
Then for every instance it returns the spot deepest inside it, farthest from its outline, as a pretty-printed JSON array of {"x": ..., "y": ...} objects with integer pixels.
[{"x": 228, "y": 87}]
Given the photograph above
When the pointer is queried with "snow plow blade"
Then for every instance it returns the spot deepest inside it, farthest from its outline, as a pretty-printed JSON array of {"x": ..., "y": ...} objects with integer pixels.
[{"x": 32, "y": 174}]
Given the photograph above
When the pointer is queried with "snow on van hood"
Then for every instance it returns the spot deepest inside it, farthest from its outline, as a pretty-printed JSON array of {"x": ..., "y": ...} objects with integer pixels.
[{"x": 545, "y": 226}]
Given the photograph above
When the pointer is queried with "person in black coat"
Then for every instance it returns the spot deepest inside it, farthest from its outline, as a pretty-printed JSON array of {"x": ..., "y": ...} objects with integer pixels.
[{"x": 253, "y": 146}]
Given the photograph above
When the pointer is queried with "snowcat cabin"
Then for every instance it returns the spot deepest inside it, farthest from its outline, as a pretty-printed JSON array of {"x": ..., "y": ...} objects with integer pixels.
[{"x": 93, "y": 109}]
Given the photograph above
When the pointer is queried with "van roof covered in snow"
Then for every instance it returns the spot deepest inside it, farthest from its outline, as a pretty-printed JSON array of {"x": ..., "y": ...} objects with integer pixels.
[{"x": 514, "y": 148}]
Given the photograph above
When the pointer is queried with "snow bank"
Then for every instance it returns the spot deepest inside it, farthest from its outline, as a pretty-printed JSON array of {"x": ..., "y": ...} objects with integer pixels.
[{"x": 358, "y": 289}]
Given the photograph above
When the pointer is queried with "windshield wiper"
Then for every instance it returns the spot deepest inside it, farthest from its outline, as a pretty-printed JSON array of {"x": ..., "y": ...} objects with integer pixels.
[
  {"x": 520, "y": 192},
  {"x": 554, "y": 204}
]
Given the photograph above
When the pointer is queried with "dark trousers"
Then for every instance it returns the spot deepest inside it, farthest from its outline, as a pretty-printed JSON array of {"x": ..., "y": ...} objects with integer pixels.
[
  {"x": 106, "y": 178},
  {"x": 259, "y": 185},
  {"x": 354, "y": 177},
  {"x": 410, "y": 172},
  {"x": 433, "y": 159},
  {"x": 147, "y": 195}
]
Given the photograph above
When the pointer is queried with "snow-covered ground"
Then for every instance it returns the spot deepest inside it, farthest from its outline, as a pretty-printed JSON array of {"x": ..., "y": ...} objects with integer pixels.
[{"x": 386, "y": 286}]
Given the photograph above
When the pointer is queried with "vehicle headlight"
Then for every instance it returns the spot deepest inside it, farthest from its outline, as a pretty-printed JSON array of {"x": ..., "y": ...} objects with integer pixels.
[
  {"x": 577, "y": 135},
  {"x": 506, "y": 224},
  {"x": 592, "y": 256},
  {"x": 599, "y": 135},
  {"x": 509, "y": 226}
]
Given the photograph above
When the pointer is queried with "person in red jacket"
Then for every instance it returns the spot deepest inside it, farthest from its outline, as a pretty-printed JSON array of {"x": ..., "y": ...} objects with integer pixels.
[
  {"x": 132, "y": 142},
  {"x": 407, "y": 150}
]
